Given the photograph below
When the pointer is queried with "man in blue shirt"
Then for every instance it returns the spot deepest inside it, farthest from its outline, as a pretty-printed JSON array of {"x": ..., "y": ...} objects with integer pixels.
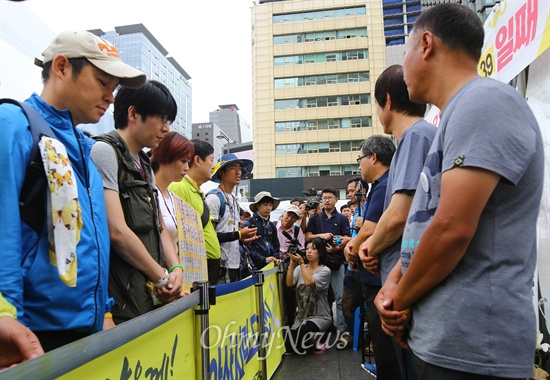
[{"x": 332, "y": 226}]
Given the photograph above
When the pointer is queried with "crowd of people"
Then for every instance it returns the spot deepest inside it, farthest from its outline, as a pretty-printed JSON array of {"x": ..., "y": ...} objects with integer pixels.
[{"x": 437, "y": 239}]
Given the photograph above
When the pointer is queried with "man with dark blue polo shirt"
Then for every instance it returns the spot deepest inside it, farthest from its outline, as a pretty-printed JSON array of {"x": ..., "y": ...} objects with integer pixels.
[
  {"x": 374, "y": 161},
  {"x": 332, "y": 226}
]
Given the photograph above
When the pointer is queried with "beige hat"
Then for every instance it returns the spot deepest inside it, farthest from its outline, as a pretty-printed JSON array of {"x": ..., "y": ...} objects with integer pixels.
[
  {"x": 101, "y": 53},
  {"x": 260, "y": 196},
  {"x": 294, "y": 209}
]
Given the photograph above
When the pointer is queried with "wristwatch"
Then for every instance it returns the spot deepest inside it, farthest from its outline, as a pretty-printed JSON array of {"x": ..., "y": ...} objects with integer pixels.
[{"x": 163, "y": 281}]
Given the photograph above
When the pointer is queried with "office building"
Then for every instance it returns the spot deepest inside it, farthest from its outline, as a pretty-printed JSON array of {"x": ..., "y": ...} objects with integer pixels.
[
  {"x": 140, "y": 49},
  {"x": 399, "y": 17},
  {"x": 233, "y": 124},
  {"x": 314, "y": 68},
  {"x": 212, "y": 134}
]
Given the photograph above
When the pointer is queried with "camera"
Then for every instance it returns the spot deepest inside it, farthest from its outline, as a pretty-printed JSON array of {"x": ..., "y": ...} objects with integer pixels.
[
  {"x": 334, "y": 242},
  {"x": 294, "y": 244}
]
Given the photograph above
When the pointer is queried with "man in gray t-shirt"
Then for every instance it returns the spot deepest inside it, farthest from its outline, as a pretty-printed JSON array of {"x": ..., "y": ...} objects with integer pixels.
[{"x": 469, "y": 246}]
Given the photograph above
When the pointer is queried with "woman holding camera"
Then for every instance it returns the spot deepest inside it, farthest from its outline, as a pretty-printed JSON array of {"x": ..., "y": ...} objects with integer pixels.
[{"x": 312, "y": 281}]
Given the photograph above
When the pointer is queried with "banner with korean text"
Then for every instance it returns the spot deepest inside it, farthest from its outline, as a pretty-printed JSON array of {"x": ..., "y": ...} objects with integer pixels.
[
  {"x": 166, "y": 352},
  {"x": 516, "y": 33}
]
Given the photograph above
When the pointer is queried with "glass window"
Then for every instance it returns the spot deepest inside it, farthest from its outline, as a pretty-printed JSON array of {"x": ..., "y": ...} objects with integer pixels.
[
  {"x": 321, "y": 79},
  {"x": 322, "y": 124},
  {"x": 353, "y": 77},
  {"x": 332, "y": 101},
  {"x": 355, "y": 145},
  {"x": 322, "y": 101},
  {"x": 366, "y": 122},
  {"x": 345, "y": 146},
  {"x": 291, "y": 103},
  {"x": 363, "y": 54},
  {"x": 297, "y": 16},
  {"x": 279, "y": 61},
  {"x": 319, "y": 15},
  {"x": 329, "y": 13},
  {"x": 343, "y": 56},
  {"x": 364, "y": 77},
  {"x": 309, "y": 58},
  {"x": 342, "y": 78},
  {"x": 332, "y": 79},
  {"x": 310, "y": 81},
  {"x": 300, "y": 81},
  {"x": 360, "y": 11},
  {"x": 352, "y": 55},
  {"x": 319, "y": 58},
  {"x": 330, "y": 35},
  {"x": 330, "y": 57},
  {"x": 288, "y": 18},
  {"x": 310, "y": 37},
  {"x": 277, "y": 19},
  {"x": 279, "y": 104},
  {"x": 289, "y": 39},
  {"x": 346, "y": 123},
  {"x": 290, "y": 82},
  {"x": 319, "y": 36},
  {"x": 301, "y": 103},
  {"x": 343, "y": 100},
  {"x": 308, "y": 16},
  {"x": 279, "y": 127},
  {"x": 356, "y": 122},
  {"x": 362, "y": 32},
  {"x": 311, "y": 103},
  {"x": 280, "y": 82},
  {"x": 354, "y": 100},
  {"x": 365, "y": 98},
  {"x": 339, "y": 13}
]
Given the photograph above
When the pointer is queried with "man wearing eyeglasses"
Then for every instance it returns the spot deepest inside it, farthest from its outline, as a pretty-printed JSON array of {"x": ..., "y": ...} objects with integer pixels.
[
  {"x": 141, "y": 248},
  {"x": 333, "y": 227}
]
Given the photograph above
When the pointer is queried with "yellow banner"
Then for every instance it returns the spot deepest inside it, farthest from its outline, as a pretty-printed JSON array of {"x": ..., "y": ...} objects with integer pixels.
[
  {"x": 166, "y": 352},
  {"x": 234, "y": 336},
  {"x": 275, "y": 346}
]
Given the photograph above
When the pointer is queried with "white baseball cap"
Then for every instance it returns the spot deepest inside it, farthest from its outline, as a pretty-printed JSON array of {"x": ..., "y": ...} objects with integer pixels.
[{"x": 100, "y": 52}]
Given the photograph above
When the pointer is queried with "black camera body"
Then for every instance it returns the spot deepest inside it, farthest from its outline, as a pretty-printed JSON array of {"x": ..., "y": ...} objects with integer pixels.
[{"x": 294, "y": 244}]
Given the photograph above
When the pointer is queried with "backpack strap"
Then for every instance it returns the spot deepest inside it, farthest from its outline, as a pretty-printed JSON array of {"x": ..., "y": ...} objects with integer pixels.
[
  {"x": 31, "y": 206},
  {"x": 222, "y": 201}
]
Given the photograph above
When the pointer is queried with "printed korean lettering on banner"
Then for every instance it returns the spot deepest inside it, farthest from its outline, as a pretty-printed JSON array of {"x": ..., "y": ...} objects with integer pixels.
[{"x": 516, "y": 33}]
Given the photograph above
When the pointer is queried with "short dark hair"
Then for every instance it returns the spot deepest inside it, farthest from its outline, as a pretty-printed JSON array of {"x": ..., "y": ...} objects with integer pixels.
[
  {"x": 353, "y": 179},
  {"x": 202, "y": 149},
  {"x": 344, "y": 206},
  {"x": 457, "y": 26},
  {"x": 382, "y": 146},
  {"x": 392, "y": 82},
  {"x": 330, "y": 190},
  {"x": 297, "y": 199},
  {"x": 77, "y": 64},
  {"x": 321, "y": 247},
  {"x": 152, "y": 98}
]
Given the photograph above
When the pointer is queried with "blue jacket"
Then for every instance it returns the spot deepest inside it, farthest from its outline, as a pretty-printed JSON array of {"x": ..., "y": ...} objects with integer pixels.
[
  {"x": 267, "y": 245},
  {"x": 27, "y": 279}
]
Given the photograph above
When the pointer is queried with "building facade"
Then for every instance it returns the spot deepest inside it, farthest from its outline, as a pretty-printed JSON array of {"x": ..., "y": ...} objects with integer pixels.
[
  {"x": 314, "y": 68},
  {"x": 140, "y": 49},
  {"x": 483, "y": 8},
  {"x": 236, "y": 127},
  {"x": 212, "y": 134}
]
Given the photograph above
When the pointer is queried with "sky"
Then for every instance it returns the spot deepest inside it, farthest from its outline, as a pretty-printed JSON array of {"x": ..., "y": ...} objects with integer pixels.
[{"x": 210, "y": 39}]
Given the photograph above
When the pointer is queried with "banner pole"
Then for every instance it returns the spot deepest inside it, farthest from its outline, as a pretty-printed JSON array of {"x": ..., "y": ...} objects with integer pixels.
[
  {"x": 281, "y": 279},
  {"x": 204, "y": 307},
  {"x": 261, "y": 319}
]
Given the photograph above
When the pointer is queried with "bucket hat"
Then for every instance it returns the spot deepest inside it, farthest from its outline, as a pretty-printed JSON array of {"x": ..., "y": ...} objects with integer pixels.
[
  {"x": 258, "y": 198},
  {"x": 226, "y": 159}
]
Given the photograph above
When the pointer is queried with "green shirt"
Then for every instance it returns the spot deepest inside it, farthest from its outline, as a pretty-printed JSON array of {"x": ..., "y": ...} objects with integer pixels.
[{"x": 188, "y": 190}]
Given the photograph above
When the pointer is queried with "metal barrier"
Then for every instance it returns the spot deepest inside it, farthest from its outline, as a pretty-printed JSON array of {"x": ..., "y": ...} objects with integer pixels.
[{"x": 66, "y": 359}]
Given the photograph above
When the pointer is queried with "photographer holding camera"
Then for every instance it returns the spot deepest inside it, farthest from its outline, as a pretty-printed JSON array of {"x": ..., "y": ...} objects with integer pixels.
[{"x": 291, "y": 240}]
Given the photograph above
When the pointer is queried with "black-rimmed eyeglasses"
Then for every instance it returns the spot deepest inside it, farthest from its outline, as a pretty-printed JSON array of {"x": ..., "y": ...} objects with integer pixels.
[
  {"x": 163, "y": 117},
  {"x": 361, "y": 157}
]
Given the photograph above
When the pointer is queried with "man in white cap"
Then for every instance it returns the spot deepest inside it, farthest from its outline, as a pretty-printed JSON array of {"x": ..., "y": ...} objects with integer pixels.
[
  {"x": 57, "y": 278},
  {"x": 225, "y": 212},
  {"x": 287, "y": 223},
  {"x": 265, "y": 250}
]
